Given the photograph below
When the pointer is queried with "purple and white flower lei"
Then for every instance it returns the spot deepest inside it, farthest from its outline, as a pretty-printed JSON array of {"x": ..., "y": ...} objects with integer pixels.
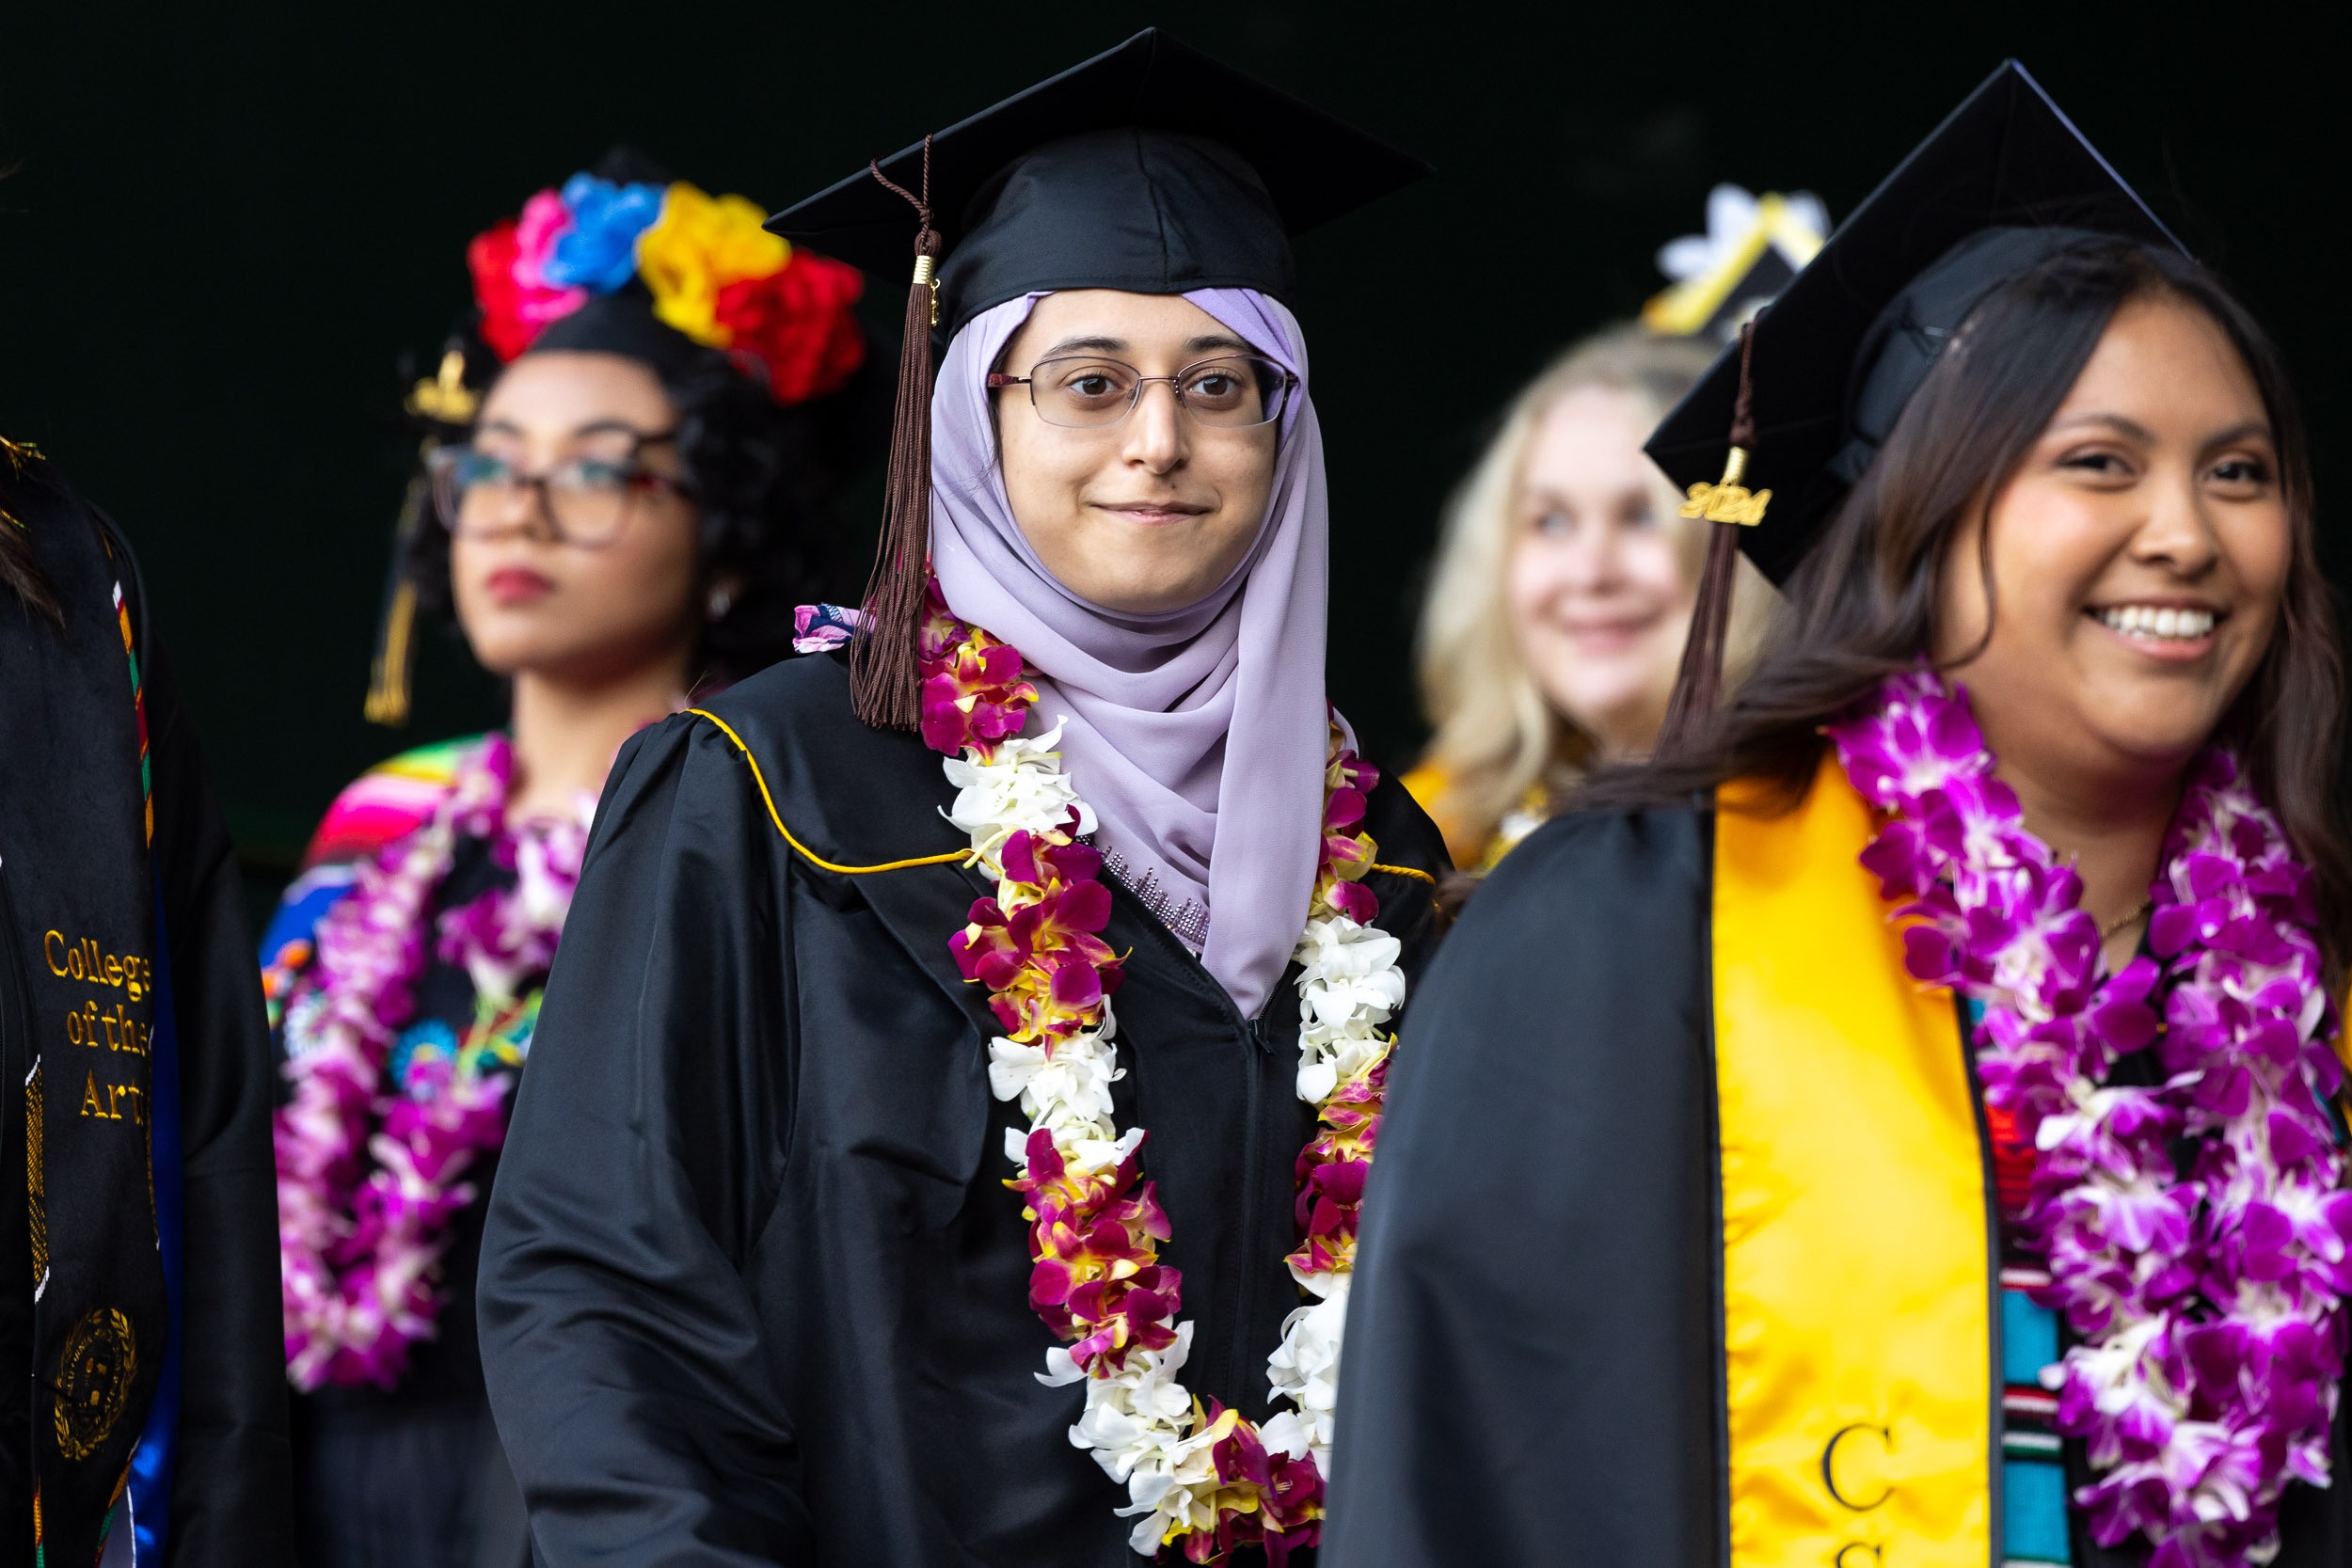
[
  {"x": 2208, "y": 1300},
  {"x": 358, "y": 1254}
]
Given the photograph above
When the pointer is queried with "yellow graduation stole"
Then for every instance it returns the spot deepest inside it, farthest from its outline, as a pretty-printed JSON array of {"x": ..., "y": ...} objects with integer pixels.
[{"x": 1859, "y": 1278}]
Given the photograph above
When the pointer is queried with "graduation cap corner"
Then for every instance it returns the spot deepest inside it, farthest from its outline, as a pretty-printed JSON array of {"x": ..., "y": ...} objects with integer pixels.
[{"x": 1764, "y": 445}]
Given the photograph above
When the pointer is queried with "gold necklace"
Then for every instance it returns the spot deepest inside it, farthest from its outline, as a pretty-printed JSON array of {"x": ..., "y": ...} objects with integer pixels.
[{"x": 2132, "y": 914}]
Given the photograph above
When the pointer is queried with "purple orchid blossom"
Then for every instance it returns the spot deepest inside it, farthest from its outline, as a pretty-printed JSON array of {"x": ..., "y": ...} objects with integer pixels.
[
  {"x": 2209, "y": 1301},
  {"x": 370, "y": 1176}
]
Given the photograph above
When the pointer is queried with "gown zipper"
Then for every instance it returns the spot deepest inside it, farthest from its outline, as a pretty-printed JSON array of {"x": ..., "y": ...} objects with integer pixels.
[{"x": 1255, "y": 1049}]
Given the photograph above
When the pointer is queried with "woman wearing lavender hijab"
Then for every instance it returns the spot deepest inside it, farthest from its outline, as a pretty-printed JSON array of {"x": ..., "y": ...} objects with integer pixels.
[{"x": 948, "y": 1111}]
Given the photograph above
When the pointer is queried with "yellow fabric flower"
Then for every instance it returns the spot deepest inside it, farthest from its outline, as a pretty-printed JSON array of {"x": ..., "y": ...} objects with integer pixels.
[{"x": 699, "y": 246}]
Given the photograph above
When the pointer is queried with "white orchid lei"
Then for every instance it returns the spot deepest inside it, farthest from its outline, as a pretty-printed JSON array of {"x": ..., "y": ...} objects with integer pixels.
[{"x": 1201, "y": 1480}]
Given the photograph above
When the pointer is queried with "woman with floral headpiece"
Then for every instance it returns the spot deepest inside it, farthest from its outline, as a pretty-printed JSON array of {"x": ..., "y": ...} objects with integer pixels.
[
  {"x": 628, "y": 517},
  {"x": 1903, "y": 1124}
]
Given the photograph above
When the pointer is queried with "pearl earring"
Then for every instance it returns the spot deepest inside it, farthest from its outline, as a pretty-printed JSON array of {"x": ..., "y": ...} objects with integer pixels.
[{"x": 722, "y": 600}]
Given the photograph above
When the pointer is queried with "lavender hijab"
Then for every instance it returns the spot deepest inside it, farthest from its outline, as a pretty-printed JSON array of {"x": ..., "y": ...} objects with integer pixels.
[{"x": 1197, "y": 735}]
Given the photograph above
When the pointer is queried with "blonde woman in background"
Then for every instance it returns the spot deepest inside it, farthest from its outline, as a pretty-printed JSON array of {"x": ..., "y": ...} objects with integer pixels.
[{"x": 1563, "y": 587}]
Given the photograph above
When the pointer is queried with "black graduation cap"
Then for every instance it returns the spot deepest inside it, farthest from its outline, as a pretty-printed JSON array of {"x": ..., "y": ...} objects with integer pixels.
[
  {"x": 1840, "y": 353},
  {"x": 1149, "y": 167}
]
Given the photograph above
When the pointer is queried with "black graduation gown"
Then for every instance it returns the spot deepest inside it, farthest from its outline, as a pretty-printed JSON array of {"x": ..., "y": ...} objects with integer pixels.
[
  {"x": 751, "y": 1288},
  {"x": 1536, "y": 1358},
  {"x": 70, "y": 770}
]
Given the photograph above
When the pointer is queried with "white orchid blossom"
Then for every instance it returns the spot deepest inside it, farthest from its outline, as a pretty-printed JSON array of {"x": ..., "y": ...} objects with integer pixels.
[
  {"x": 1022, "y": 788},
  {"x": 1306, "y": 1369},
  {"x": 1068, "y": 1092}
]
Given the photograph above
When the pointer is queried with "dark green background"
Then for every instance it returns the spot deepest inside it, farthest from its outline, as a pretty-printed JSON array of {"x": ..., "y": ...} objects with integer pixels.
[{"x": 230, "y": 223}]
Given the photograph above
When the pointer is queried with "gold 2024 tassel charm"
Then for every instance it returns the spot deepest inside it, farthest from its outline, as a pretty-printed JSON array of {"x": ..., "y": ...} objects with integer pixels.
[{"x": 1727, "y": 501}]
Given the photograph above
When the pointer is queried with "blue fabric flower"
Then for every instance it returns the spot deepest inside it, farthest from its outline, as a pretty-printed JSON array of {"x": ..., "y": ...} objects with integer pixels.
[
  {"x": 431, "y": 1038},
  {"x": 599, "y": 254}
]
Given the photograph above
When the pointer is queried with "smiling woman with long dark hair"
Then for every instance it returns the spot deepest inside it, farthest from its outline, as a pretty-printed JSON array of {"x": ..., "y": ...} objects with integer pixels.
[
  {"x": 629, "y": 517},
  {"x": 1903, "y": 1124}
]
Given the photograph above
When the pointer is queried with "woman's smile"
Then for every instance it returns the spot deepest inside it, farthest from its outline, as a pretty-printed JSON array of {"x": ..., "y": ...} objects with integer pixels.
[
  {"x": 2175, "y": 630},
  {"x": 1605, "y": 636},
  {"x": 1152, "y": 514}
]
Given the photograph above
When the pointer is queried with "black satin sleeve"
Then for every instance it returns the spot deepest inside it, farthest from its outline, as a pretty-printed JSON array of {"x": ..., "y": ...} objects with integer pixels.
[
  {"x": 231, "y": 1470},
  {"x": 621, "y": 1345},
  {"x": 1532, "y": 1375}
]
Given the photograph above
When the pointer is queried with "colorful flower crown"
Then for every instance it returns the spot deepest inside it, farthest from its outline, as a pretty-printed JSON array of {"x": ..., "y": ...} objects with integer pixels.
[{"x": 715, "y": 274}]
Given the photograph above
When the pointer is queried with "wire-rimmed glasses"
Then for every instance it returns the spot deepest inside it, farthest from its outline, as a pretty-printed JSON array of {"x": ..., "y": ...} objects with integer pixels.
[
  {"x": 1232, "y": 391},
  {"x": 584, "y": 501}
]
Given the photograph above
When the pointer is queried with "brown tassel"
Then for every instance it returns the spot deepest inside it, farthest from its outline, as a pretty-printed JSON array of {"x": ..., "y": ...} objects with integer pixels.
[
  {"x": 884, "y": 671},
  {"x": 1699, "y": 681}
]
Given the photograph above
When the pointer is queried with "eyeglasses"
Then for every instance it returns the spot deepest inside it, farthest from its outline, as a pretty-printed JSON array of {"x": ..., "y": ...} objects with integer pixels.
[
  {"x": 1087, "y": 393},
  {"x": 586, "y": 501}
]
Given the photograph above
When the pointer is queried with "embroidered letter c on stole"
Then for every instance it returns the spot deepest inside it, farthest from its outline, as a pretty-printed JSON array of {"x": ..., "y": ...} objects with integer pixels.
[{"x": 1857, "y": 1329}]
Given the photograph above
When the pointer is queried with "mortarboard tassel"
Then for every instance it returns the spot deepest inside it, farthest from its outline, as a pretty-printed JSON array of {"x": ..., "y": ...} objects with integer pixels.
[
  {"x": 395, "y": 626},
  {"x": 1727, "y": 505},
  {"x": 441, "y": 399},
  {"x": 885, "y": 669}
]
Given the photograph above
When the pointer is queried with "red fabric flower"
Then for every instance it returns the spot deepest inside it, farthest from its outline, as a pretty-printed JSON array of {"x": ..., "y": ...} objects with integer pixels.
[
  {"x": 796, "y": 323},
  {"x": 491, "y": 260},
  {"x": 514, "y": 312}
]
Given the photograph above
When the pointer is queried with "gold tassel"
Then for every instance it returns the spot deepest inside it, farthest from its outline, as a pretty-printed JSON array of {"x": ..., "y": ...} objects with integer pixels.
[{"x": 395, "y": 632}]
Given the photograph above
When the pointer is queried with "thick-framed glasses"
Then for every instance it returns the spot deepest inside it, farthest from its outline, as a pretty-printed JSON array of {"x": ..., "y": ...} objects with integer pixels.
[
  {"x": 1087, "y": 392},
  {"x": 584, "y": 501}
]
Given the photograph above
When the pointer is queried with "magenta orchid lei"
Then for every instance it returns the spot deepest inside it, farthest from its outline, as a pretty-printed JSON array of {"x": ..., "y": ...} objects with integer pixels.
[
  {"x": 1203, "y": 1478},
  {"x": 360, "y": 1249},
  {"x": 2208, "y": 1301}
]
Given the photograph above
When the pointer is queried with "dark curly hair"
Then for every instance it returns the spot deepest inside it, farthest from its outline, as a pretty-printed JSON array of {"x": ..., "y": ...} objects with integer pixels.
[{"x": 764, "y": 480}]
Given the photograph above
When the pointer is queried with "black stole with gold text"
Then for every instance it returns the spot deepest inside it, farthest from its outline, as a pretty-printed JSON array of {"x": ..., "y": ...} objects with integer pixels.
[{"x": 76, "y": 1010}]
